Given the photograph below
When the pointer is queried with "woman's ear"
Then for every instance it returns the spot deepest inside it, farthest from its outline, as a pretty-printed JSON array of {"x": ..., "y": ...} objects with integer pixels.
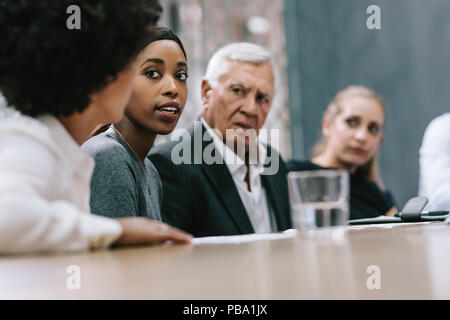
[{"x": 325, "y": 126}]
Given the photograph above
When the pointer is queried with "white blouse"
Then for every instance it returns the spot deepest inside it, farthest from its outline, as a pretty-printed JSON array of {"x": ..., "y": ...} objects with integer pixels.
[{"x": 45, "y": 190}]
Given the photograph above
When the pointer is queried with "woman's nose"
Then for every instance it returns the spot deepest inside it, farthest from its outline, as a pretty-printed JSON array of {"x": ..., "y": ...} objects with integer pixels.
[
  {"x": 170, "y": 88},
  {"x": 361, "y": 134}
]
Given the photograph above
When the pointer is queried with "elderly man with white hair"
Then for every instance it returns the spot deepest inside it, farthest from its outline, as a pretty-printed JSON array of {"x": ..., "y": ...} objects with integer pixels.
[{"x": 220, "y": 179}]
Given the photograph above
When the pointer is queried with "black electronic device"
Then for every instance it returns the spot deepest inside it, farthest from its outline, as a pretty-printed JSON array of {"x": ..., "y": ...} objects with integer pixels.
[{"x": 411, "y": 212}]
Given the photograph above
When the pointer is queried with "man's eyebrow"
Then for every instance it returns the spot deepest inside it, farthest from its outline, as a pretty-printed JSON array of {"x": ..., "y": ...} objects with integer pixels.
[
  {"x": 266, "y": 93},
  {"x": 182, "y": 64},
  {"x": 269, "y": 93},
  {"x": 240, "y": 84}
]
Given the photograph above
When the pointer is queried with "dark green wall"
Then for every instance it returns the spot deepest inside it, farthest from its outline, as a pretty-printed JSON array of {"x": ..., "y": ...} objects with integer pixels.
[{"x": 407, "y": 62}]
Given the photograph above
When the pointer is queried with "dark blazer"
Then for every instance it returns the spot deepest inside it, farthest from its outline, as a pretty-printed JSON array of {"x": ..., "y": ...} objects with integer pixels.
[{"x": 203, "y": 200}]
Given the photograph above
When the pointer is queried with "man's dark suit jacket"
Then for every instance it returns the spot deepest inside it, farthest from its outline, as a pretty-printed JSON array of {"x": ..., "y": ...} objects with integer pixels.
[{"x": 203, "y": 200}]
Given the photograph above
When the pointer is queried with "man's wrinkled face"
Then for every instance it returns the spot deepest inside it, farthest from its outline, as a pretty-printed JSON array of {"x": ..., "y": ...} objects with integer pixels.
[{"x": 240, "y": 101}]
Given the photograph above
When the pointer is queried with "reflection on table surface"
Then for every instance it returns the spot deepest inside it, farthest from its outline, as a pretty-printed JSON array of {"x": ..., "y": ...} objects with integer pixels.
[{"x": 413, "y": 260}]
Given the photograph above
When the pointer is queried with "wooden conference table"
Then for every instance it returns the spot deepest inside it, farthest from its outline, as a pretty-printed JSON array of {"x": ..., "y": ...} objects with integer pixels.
[{"x": 413, "y": 262}]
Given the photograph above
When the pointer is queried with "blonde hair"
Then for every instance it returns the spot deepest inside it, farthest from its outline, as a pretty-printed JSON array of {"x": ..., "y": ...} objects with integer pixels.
[{"x": 369, "y": 170}]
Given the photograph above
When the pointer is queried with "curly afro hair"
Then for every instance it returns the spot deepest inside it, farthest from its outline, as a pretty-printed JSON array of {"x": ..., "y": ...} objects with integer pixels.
[{"x": 45, "y": 68}]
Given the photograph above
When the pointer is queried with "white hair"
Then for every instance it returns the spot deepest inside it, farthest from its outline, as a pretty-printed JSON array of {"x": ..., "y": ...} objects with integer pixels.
[{"x": 242, "y": 52}]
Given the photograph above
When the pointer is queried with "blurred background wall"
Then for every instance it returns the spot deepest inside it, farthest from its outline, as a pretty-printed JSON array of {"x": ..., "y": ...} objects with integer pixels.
[
  {"x": 407, "y": 62},
  {"x": 322, "y": 46}
]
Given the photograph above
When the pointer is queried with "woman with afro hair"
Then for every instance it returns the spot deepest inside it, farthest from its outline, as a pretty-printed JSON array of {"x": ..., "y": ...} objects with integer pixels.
[{"x": 65, "y": 83}]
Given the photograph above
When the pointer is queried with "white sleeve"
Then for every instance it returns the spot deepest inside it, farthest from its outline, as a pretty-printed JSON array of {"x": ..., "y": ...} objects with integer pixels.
[
  {"x": 29, "y": 222},
  {"x": 434, "y": 161}
]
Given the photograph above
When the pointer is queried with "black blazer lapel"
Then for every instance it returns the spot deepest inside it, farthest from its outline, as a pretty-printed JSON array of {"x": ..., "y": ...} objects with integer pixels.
[
  {"x": 220, "y": 177},
  {"x": 222, "y": 181}
]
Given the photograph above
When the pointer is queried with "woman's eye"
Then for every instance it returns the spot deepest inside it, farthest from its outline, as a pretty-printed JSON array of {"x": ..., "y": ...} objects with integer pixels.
[
  {"x": 374, "y": 130},
  {"x": 182, "y": 76},
  {"x": 152, "y": 74},
  {"x": 351, "y": 122}
]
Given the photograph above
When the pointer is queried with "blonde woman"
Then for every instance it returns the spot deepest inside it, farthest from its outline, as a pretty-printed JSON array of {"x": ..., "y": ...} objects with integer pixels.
[{"x": 352, "y": 132}]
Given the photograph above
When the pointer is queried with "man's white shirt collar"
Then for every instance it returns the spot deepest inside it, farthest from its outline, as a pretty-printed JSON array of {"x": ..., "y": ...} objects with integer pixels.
[{"x": 231, "y": 159}]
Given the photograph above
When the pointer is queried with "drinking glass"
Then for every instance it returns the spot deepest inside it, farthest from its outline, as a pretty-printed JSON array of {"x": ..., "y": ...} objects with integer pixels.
[{"x": 319, "y": 198}]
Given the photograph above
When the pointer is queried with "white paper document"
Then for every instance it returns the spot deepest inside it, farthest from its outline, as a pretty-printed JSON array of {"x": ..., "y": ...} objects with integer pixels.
[{"x": 291, "y": 233}]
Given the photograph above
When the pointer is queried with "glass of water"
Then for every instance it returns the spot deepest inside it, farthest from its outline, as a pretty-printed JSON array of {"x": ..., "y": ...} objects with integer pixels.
[{"x": 319, "y": 198}]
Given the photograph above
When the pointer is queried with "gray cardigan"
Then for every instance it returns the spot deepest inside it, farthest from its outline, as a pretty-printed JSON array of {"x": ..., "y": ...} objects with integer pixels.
[{"x": 121, "y": 184}]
